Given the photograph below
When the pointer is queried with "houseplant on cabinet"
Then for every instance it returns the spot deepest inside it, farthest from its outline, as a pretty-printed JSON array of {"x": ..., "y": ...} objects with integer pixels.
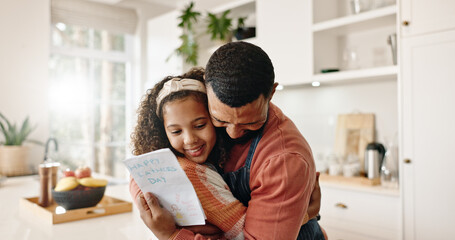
[
  {"x": 189, "y": 46},
  {"x": 13, "y": 155},
  {"x": 220, "y": 27}
]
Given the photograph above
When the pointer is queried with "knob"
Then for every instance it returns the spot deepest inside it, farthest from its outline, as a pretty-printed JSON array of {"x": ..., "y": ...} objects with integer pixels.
[
  {"x": 407, "y": 161},
  {"x": 405, "y": 23},
  {"x": 341, "y": 205}
]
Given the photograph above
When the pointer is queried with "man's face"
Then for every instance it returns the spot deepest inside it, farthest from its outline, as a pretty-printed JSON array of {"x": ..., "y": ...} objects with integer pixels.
[{"x": 238, "y": 121}]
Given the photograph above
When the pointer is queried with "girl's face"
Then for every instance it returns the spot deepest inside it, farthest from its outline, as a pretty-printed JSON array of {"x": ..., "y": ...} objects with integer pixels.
[{"x": 189, "y": 129}]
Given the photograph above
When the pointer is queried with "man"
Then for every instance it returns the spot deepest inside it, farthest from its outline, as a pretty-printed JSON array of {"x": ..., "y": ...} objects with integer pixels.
[{"x": 271, "y": 168}]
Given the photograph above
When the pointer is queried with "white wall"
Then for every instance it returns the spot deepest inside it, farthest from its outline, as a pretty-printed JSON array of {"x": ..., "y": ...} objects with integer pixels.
[
  {"x": 24, "y": 47},
  {"x": 315, "y": 110},
  {"x": 163, "y": 39}
]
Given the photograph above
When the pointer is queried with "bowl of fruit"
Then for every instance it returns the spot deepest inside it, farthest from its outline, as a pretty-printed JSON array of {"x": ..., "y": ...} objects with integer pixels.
[{"x": 76, "y": 190}]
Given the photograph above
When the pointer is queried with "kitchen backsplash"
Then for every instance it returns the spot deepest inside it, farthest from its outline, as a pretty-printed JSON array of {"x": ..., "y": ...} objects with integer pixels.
[{"x": 315, "y": 110}]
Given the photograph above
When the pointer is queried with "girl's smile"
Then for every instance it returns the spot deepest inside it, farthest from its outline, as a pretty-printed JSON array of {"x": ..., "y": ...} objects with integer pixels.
[{"x": 189, "y": 128}]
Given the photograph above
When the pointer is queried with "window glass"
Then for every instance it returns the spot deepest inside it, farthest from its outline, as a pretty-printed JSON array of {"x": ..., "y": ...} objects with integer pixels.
[
  {"x": 88, "y": 82},
  {"x": 64, "y": 35}
]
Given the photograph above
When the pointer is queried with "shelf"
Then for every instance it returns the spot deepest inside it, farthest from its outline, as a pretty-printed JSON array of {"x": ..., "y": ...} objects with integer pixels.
[
  {"x": 231, "y": 5},
  {"x": 363, "y": 21},
  {"x": 357, "y": 75}
]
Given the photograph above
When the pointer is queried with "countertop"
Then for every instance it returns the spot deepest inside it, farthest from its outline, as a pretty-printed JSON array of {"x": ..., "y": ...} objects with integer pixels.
[
  {"x": 14, "y": 227},
  {"x": 355, "y": 184}
]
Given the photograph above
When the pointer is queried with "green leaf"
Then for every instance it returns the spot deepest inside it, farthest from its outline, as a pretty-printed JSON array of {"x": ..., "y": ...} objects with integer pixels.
[
  {"x": 5, "y": 133},
  {"x": 188, "y": 17},
  {"x": 219, "y": 27},
  {"x": 12, "y": 134}
]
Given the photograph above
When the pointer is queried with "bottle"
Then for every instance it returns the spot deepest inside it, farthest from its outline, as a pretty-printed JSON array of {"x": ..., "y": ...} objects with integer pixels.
[{"x": 389, "y": 168}]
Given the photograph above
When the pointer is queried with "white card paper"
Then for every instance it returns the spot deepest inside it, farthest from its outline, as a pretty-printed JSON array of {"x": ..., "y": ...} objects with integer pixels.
[{"x": 160, "y": 173}]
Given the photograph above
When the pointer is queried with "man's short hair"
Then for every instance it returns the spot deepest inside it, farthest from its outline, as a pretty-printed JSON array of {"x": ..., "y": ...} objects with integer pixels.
[{"x": 239, "y": 72}]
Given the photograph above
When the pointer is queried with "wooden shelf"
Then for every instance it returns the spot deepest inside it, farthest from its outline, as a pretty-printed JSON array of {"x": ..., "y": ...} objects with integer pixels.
[
  {"x": 355, "y": 183},
  {"x": 363, "y": 21}
]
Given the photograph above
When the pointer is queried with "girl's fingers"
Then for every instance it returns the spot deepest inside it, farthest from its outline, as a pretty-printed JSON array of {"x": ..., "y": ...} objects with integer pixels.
[
  {"x": 142, "y": 204},
  {"x": 152, "y": 202}
]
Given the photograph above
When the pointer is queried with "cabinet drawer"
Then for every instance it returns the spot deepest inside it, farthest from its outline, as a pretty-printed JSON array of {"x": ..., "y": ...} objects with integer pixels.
[{"x": 366, "y": 215}]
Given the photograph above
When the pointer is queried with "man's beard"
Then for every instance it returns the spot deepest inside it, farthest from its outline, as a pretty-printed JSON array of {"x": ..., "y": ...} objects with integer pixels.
[{"x": 242, "y": 140}]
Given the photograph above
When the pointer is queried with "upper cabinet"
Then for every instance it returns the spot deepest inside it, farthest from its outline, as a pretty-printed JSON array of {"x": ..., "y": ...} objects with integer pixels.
[
  {"x": 283, "y": 31},
  {"x": 420, "y": 17},
  {"x": 353, "y": 40},
  {"x": 239, "y": 9}
]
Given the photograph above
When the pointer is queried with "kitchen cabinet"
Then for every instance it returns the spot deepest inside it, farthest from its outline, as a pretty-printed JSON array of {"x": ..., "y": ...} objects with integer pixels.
[
  {"x": 283, "y": 31},
  {"x": 420, "y": 17},
  {"x": 358, "y": 214},
  {"x": 353, "y": 43},
  {"x": 238, "y": 8},
  {"x": 427, "y": 130}
]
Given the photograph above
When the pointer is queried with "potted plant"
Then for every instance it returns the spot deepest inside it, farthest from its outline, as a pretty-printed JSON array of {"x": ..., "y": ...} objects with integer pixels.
[
  {"x": 13, "y": 155},
  {"x": 243, "y": 32},
  {"x": 220, "y": 27},
  {"x": 189, "y": 46}
]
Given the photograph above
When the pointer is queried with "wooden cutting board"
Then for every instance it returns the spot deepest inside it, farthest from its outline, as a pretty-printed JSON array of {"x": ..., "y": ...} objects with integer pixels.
[{"x": 353, "y": 133}]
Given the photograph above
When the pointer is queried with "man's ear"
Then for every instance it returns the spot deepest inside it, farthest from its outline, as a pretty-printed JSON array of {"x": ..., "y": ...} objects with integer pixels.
[{"x": 273, "y": 90}]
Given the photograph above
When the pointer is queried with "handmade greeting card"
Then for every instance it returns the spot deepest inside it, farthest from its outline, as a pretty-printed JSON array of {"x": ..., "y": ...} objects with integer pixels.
[{"x": 159, "y": 172}]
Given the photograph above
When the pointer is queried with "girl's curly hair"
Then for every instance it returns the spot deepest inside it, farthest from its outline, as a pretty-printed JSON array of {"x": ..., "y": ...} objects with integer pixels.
[{"x": 149, "y": 133}]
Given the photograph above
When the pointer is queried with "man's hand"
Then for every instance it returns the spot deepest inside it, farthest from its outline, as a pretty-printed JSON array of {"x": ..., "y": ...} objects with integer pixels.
[
  {"x": 156, "y": 218},
  {"x": 208, "y": 230},
  {"x": 315, "y": 199}
]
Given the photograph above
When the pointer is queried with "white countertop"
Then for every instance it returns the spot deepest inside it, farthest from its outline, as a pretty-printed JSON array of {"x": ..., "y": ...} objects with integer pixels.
[{"x": 14, "y": 227}]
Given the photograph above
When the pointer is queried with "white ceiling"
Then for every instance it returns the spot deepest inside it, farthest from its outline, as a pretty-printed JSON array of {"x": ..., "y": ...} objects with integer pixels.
[{"x": 198, "y": 4}]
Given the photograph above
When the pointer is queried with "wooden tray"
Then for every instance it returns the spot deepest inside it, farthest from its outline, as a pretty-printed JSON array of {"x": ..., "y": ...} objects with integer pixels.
[{"x": 54, "y": 214}]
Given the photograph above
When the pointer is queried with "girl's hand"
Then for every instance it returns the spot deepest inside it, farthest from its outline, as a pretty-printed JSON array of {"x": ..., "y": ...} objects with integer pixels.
[{"x": 156, "y": 218}]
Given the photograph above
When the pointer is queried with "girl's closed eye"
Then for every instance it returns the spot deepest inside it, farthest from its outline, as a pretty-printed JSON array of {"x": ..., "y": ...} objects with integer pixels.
[
  {"x": 200, "y": 126},
  {"x": 176, "y": 132}
]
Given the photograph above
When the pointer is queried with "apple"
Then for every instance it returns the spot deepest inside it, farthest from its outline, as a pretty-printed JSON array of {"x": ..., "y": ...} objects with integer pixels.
[
  {"x": 83, "y": 172},
  {"x": 69, "y": 173}
]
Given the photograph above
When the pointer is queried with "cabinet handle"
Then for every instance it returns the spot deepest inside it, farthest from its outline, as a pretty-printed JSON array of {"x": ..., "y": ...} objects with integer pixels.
[
  {"x": 405, "y": 23},
  {"x": 341, "y": 205},
  {"x": 407, "y": 161}
]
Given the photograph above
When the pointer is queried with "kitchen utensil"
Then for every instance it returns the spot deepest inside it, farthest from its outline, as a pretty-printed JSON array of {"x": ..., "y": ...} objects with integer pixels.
[
  {"x": 374, "y": 155},
  {"x": 392, "y": 41},
  {"x": 351, "y": 58},
  {"x": 45, "y": 197},
  {"x": 353, "y": 133}
]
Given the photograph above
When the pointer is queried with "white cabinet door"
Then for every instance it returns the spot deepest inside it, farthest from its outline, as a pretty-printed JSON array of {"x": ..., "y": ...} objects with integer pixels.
[
  {"x": 357, "y": 215},
  {"x": 283, "y": 31},
  {"x": 426, "y": 16},
  {"x": 428, "y": 135}
]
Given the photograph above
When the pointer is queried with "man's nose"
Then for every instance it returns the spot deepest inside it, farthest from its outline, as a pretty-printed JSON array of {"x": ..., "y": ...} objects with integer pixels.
[{"x": 234, "y": 132}]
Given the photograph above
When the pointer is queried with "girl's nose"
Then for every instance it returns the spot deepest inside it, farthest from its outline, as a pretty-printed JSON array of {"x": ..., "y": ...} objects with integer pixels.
[{"x": 190, "y": 138}]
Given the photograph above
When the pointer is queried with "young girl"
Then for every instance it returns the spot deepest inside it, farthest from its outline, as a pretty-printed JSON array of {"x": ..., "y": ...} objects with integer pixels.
[{"x": 174, "y": 115}]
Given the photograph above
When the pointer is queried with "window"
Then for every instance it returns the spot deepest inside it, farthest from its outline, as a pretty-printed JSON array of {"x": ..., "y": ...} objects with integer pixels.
[{"x": 89, "y": 73}]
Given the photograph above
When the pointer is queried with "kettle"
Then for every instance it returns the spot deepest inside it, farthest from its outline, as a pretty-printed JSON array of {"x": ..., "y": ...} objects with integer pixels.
[{"x": 374, "y": 155}]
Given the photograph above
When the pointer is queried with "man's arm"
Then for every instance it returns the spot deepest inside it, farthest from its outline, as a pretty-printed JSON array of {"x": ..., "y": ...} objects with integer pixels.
[{"x": 281, "y": 189}]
